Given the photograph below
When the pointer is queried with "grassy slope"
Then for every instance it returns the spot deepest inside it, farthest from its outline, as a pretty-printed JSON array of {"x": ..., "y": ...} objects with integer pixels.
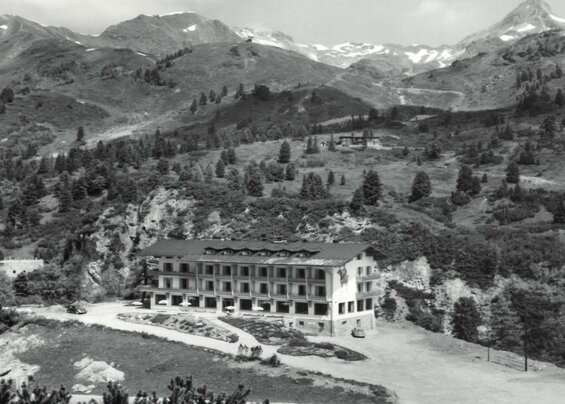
[{"x": 149, "y": 364}]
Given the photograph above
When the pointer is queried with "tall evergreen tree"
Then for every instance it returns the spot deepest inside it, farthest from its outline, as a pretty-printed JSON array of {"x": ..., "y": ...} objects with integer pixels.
[
  {"x": 421, "y": 187},
  {"x": 21, "y": 285},
  {"x": 220, "y": 169},
  {"x": 357, "y": 201},
  {"x": 464, "y": 179},
  {"x": 512, "y": 173},
  {"x": 331, "y": 179},
  {"x": 466, "y": 319},
  {"x": 254, "y": 184},
  {"x": 372, "y": 188},
  {"x": 194, "y": 106},
  {"x": 290, "y": 172},
  {"x": 284, "y": 153}
]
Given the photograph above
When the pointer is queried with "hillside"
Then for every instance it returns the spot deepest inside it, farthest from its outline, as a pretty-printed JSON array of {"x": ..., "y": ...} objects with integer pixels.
[{"x": 489, "y": 80}]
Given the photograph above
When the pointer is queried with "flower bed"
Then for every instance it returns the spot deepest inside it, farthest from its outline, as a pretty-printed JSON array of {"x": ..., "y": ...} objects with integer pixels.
[
  {"x": 266, "y": 332},
  {"x": 187, "y": 323}
]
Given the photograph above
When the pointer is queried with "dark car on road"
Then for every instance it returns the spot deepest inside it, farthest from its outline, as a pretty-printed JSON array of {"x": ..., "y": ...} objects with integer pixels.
[
  {"x": 358, "y": 333},
  {"x": 74, "y": 309}
]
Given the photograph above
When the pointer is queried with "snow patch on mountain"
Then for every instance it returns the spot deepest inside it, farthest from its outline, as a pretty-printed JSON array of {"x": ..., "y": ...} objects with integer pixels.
[
  {"x": 4, "y": 27},
  {"x": 190, "y": 29},
  {"x": 506, "y": 38},
  {"x": 528, "y": 27},
  {"x": 555, "y": 18},
  {"x": 176, "y": 13}
]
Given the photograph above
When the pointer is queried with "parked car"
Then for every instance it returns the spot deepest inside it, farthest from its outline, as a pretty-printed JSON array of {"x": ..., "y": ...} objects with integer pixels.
[
  {"x": 358, "y": 333},
  {"x": 74, "y": 309}
]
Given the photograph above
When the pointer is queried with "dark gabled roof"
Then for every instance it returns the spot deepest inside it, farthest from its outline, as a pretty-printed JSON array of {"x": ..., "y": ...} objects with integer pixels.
[{"x": 320, "y": 253}]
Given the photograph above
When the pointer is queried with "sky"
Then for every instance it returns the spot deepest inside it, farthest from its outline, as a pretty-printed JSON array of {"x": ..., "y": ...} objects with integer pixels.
[{"x": 328, "y": 22}]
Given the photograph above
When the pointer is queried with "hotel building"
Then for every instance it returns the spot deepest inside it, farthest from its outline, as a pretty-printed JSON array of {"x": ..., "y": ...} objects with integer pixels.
[{"x": 321, "y": 288}]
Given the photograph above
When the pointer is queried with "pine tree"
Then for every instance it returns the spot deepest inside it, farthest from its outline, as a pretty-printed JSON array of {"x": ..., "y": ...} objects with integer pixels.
[
  {"x": 194, "y": 106},
  {"x": 203, "y": 99},
  {"x": 254, "y": 184},
  {"x": 484, "y": 179},
  {"x": 231, "y": 156},
  {"x": 163, "y": 166},
  {"x": 372, "y": 188},
  {"x": 65, "y": 200},
  {"x": 284, "y": 153},
  {"x": 475, "y": 186},
  {"x": 21, "y": 286},
  {"x": 290, "y": 172},
  {"x": 331, "y": 179},
  {"x": 235, "y": 181},
  {"x": 421, "y": 187},
  {"x": 466, "y": 319},
  {"x": 212, "y": 96},
  {"x": 512, "y": 173},
  {"x": 220, "y": 169},
  {"x": 224, "y": 91},
  {"x": 464, "y": 179},
  {"x": 342, "y": 180},
  {"x": 357, "y": 201}
]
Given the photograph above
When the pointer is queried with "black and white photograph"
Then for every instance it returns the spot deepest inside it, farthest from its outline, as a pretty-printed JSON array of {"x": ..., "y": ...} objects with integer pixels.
[{"x": 282, "y": 202}]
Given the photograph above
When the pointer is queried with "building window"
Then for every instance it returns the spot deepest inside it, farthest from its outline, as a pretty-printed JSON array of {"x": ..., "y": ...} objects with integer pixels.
[
  {"x": 244, "y": 271},
  {"x": 359, "y": 288},
  {"x": 227, "y": 270},
  {"x": 209, "y": 285},
  {"x": 263, "y": 288},
  {"x": 368, "y": 271},
  {"x": 184, "y": 267},
  {"x": 301, "y": 308},
  {"x": 320, "y": 274},
  {"x": 263, "y": 272},
  {"x": 320, "y": 309},
  {"x": 321, "y": 291},
  {"x": 368, "y": 304},
  {"x": 227, "y": 286},
  {"x": 245, "y": 287},
  {"x": 301, "y": 290},
  {"x": 184, "y": 283},
  {"x": 168, "y": 267},
  {"x": 282, "y": 289},
  {"x": 281, "y": 272},
  {"x": 283, "y": 307},
  {"x": 351, "y": 307},
  {"x": 301, "y": 273},
  {"x": 368, "y": 286},
  {"x": 227, "y": 252},
  {"x": 209, "y": 270},
  {"x": 341, "y": 308},
  {"x": 359, "y": 305},
  {"x": 209, "y": 251},
  {"x": 301, "y": 323},
  {"x": 360, "y": 271}
]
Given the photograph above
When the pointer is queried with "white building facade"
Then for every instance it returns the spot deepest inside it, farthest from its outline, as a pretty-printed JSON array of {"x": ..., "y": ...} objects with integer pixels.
[{"x": 321, "y": 288}]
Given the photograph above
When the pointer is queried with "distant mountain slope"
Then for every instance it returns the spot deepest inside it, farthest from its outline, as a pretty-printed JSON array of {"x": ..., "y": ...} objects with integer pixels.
[
  {"x": 530, "y": 17},
  {"x": 166, "y": 34},
  {"x": 489, "y": 80}
]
